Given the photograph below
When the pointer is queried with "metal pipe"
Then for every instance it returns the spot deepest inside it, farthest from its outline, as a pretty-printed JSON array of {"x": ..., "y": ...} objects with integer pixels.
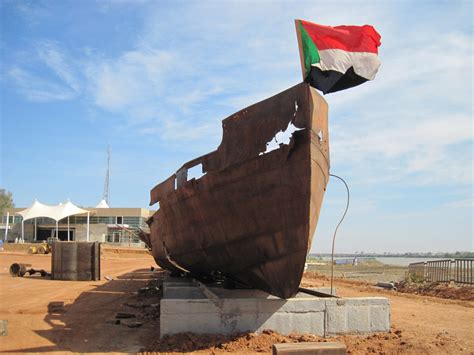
[
  {"x": 337, "y": 227},
  {"x": 6, "y": 227},
  {"x": 316, "y": 293},
  {"x": 18, "y": 270},
  {"x": 87, "y": 236}
]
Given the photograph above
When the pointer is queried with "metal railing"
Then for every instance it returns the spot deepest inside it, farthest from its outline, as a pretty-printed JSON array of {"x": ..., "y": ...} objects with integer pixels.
[
  {"x": 450, "y": 270},
  {"x": 416, "y": 271},
  {"x": 463, "y": 271}
]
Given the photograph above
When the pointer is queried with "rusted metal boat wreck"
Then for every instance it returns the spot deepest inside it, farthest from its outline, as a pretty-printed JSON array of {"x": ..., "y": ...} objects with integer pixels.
[{"x": 251, "y": 217}]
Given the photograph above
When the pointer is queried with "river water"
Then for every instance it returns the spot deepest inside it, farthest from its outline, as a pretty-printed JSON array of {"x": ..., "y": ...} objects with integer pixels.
[
  {"x": 401, "y": 261},
  {"x": 390, "y": 260}
]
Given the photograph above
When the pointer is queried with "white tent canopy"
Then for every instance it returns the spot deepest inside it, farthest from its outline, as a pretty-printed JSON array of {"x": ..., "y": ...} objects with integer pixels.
[
  {"x": 37, "y": 209},
  {"x": 63, "y": 210},
  {"x": 102, "y": 204},
  {"x": 69, "y": 209}
]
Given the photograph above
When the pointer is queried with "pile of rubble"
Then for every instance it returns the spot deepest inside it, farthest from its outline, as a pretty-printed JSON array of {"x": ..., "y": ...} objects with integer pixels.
[
  {"x": 144, "y": 306},
  {"x": 437, "y": 289}
]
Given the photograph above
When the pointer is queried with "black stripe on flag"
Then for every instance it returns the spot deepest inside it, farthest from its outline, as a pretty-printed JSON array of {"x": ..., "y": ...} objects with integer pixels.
[{"x": 331, "y": 81}]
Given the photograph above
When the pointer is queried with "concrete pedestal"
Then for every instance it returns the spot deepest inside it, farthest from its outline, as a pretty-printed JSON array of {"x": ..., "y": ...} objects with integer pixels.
[{"x": 188, "y": 306}]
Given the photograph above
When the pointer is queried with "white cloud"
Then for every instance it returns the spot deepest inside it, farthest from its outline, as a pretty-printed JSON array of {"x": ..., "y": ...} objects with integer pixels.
[
  {"x": 424, "y": 150},
  {"x": 52, "y": 55},
  {"x": 58, "y": 83},
  {"x": 462, "y": 203},
  {"x": 36, "y": 88},
  {"x": 180, "y": 81},
  {"x": 413, "y": 124},
  {"x": 175, "y": 130},
  {"x": 135, "y": 78},
  {"x": 33, "y": 12}
]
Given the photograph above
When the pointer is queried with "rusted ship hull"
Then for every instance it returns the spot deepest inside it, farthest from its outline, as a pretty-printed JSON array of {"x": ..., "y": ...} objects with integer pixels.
[{"x": 252, "y": 216}]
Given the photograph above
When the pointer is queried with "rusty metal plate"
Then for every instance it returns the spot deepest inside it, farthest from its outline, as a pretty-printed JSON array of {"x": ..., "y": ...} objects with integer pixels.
[
  {"x": 252, "y": 216},
  {"x": 77, "y": 261}
]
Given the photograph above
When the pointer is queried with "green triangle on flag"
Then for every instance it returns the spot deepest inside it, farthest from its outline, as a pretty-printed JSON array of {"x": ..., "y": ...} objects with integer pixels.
[{"x": 310, "y": 51}]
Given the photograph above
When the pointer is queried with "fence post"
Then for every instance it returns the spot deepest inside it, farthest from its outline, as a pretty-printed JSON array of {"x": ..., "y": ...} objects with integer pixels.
[{"x": 452, "y": 267}]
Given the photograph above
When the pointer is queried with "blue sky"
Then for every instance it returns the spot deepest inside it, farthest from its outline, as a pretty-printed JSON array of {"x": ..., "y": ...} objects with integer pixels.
[{"x": 155, "y": 78}]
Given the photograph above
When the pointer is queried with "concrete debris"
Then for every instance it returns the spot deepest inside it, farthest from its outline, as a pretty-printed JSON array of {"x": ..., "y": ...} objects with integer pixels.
[
  {"x": 143, "y": 290},
  {"x": 113, "y": 321},
  {"x": 108, "y": 278},
  {"x": 3, "y": 327},
  {"x": 329, "y": 348},
  {"x": 133, "y": 324},
  {"x": 123, "y": 315}
]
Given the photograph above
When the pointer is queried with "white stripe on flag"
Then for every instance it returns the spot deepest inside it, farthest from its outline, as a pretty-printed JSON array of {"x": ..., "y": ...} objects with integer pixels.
[{"x": 365, "y": 64}]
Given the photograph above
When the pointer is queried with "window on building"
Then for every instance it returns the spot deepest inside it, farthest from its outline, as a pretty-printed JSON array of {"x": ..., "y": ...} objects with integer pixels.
[
  {"x": 131, "y": 221},
  {"x": 81, "y": 220},
  {"x": 119, "y": 220},
  {"x": 113, "y": 237}
]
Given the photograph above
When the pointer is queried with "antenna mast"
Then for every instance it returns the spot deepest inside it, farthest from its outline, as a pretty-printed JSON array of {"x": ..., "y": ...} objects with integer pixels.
[{"x": 106, "y": 183}]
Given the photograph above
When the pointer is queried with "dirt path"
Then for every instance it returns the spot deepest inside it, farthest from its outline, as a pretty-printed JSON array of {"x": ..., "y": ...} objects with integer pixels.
[
  {"x": 66, "y": 316},
  {"x": 431, "y": 325},
  {"x": 420, "y": 325},
  {"x": 70, "y": 316}
]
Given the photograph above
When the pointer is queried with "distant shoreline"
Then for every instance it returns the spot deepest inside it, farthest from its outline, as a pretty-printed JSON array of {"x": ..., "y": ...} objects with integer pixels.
[{"x": 455, "y": 255}]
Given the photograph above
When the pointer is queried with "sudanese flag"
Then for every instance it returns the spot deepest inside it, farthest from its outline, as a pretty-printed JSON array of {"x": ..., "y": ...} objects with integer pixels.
[{"x": 337, "y": 58}]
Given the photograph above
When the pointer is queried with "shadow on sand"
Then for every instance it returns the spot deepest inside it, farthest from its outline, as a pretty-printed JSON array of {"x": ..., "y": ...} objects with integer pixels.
[{"x": 89, "y": 323}]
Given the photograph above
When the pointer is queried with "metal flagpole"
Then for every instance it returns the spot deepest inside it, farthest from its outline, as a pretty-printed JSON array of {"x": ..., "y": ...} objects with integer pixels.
[
  {"x": 6, "y": 227},
  {"x": 88, "y": 226}
]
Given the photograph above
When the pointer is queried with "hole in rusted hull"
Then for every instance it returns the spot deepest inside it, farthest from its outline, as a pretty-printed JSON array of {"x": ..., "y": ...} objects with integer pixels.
[
  {"x": 281, "y": 137},
  {"x": 196, "y": 172}
]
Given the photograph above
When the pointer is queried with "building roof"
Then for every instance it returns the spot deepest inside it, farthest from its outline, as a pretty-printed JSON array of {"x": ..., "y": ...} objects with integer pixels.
[
  {"x": 103, "y": 212},
  {"x": 58, "y": 212}
]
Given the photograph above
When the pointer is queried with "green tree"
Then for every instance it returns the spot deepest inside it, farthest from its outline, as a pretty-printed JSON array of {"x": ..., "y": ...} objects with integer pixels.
[{"x": 6, "y": 200}]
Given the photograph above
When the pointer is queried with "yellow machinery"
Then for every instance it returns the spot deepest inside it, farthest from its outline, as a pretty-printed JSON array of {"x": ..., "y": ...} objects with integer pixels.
[{"x": 43, "y": 247}]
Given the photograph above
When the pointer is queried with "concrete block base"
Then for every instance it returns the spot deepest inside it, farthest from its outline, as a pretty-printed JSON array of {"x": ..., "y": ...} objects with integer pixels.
[{"x": 189, "y": 306}]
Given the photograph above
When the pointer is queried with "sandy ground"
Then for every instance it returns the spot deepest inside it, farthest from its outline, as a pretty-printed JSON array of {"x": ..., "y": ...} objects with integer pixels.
[
  {"x": 37, "y": 322},
  {"x": 66, "y": 316},
  {"x": 429, "y": 325},
  {"x": 372, "y": 271}
]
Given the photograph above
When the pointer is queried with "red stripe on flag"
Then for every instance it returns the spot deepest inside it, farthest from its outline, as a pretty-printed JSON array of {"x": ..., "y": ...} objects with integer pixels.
[{"x": 349, "y": 38}]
